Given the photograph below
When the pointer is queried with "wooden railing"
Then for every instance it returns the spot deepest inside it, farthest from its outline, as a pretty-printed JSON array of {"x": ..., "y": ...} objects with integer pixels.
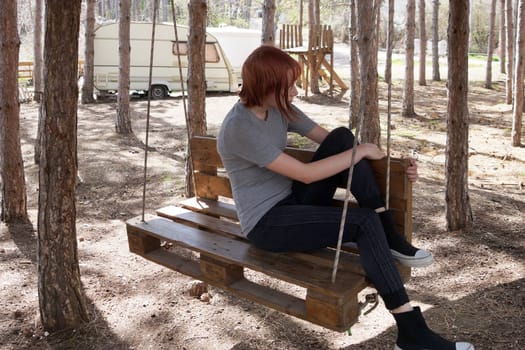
[{"x": 25, "y": 70}]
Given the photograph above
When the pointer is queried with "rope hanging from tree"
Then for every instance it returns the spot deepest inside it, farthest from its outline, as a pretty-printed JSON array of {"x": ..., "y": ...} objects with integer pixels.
[
  {"x": 155, "y": 12},
  {"x": 364, "y": 81},
  {"x": 155, "y": 9}
]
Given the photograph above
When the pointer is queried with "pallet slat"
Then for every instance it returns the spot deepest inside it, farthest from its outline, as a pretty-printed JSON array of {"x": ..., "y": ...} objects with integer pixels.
[
  {"x": 208, "y": 225},
  {"x": 277, "y": 265}
]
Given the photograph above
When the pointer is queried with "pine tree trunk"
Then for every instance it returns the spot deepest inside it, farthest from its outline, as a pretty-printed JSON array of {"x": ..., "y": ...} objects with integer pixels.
[
  {"x": 510, "y": 52},
  {"x": 490, "y": 45},
  {"x": 517, "y": 106},
  {"x": 14, "y": 206},
  {"x": 268, "y": 23},
  {"x": 164, "y": 10},
  {"x": 37, "y": 50},
  {"x": 389, "y": 42},
  {"x": 502, "y": 37},
  {"x": 123, "y": 120},
  {"x": 354, "y": 68},
  {"x": 458, "y": 211},
  {"x": 198, "y": 10},
  {"x": 408, "y": 86},
  {"x": 368, "y": 104},
  {"x": 435, "y": 41},
  {"x": 89, "y": 53},
  {"x": 422, "y": 44},
  {"x": 313, "y": 33},
  {"x": 61, "y": 299}
]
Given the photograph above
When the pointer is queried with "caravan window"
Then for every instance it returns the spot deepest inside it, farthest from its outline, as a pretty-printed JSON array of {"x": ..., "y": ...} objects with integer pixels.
[{"x": 212, "y": 55}]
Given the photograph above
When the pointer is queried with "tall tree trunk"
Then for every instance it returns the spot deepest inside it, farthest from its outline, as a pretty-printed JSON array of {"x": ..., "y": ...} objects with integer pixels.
[
  {"x": 354, "y": 68},
  {"x": 389, "y": 42},
  {"x": 198, "y": 10},
  {"x": 123, "y": 120},
  {"x": 14, "y": 208},
  {"x": 510, "y": 51},
  {"x": 435, "y": 41},
  {"x": 517, "y": 106},
  {"x": 313, "y": 33},
  {"x": 368, "y": 104},
  {"x": 502, "y": 37},
  {"x": 102, "y": 8},
  {"x": 490, "y": 45},
  {"x": 164, "y": 10},
  {"x": 458, "y": 210},
  {"x": 89, "y": 53},
  {"x": 268, "y": 23},
  {"x": 422, "y": 44},
  {"x": 37, "y": 50},
  {"x": 61, "y": 299},
  {"x": 246, "y": 10},
  {"x": 408, "y": 86}
]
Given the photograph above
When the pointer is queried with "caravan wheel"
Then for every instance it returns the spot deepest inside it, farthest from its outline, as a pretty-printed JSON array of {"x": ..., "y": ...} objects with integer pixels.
[{"x": 158, "y": 92}]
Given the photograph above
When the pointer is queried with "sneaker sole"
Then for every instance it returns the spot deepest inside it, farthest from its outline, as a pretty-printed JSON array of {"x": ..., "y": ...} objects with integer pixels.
[
  {"x": 463, "y": 346},
  {"x": 411, "y": 261}
]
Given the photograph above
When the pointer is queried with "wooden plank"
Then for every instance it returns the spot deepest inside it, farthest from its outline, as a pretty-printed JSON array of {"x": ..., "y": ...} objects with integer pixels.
[
  {"x": 324, "y": 257},
  {"x": 212, "y": 207},
  {"x": 201, "y": 220},
  {"x": 260, "y": 294},
  {"x": 278, "y": 265},
  {"x": 322, "y": 309},
  {"x": 209, "y": 186}
]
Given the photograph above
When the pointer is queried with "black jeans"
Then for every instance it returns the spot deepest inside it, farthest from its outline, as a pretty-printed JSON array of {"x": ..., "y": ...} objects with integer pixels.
[{"x": 306, "y": 221}]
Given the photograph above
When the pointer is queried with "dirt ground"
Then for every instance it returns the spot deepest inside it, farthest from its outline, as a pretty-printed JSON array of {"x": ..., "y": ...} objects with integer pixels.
[{"x": 474, "y": 291}]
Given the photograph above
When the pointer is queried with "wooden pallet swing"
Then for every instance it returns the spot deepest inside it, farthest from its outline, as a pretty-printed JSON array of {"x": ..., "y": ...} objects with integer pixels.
[{"x": 207, "y": 227}]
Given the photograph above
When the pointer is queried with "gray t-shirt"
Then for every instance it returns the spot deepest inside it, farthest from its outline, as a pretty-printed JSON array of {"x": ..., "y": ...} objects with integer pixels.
[{"x": 246, "y": 145}]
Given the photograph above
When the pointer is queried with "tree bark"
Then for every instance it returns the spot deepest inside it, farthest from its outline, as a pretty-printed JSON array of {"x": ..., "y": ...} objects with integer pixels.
[
  {"x": 368, "y": 104},
  {"x": 313, "y": 33},
  {"x": 14, "y": 207},
  {"x": 89, "y": 53},
  {"x": 123, "y": 120},
  {"x": 422, "y": 44},
  {"x": 502, "y": 38},
  {"x": 61, "y": 299},
  {"x": 164, "y": 6},
  {"x": 198, "y": 10},
  {"x": 268, "y": 23},
  {"x": 517, "y": 106},
  {"x": 458, "y": 211},
  {"x": 510, "y": 51},
  {"x": 408, "y": 86},
  {"x": 389, "y": 42},
  {"x": 37, "y": 50},
  {"x": 354, "y": 68},
  {"x": 490, "y": 45},
  {"x": 435, "y": 41}
]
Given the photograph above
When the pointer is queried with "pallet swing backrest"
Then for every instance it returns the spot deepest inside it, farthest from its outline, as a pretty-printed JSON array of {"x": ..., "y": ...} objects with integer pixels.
[
  {"x": 207, "y": 225},
  {"x": 212, "y": 183}
]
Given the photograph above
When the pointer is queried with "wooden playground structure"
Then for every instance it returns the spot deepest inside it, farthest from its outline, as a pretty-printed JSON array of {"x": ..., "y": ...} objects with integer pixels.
[{"x": 316, "y": 56}]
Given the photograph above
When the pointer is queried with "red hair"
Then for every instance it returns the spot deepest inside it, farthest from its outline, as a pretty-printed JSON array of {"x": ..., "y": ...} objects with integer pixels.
[{"x": 268, "y": 70}]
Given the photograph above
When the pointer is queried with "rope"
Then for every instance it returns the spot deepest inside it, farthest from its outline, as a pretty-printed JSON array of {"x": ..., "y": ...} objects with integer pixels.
[
  {"x": 186, "y": 116},
  {"x": 388, "y": 78},
  {"x": 155, "y": 9},
  {"x": 364, "y": 81}
]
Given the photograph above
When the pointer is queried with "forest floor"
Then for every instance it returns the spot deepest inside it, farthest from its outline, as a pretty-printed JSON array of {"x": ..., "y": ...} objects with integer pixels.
[{"x": 474, "y": 291}]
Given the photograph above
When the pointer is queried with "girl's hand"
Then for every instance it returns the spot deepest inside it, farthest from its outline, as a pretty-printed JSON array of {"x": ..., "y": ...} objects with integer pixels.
[
  {"x": 370, "y": 151},
  {"x": 412, "y": 170}
]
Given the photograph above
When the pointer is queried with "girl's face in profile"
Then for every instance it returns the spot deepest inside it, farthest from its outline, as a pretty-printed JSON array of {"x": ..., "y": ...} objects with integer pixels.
[{"x": 292, "y": 91}]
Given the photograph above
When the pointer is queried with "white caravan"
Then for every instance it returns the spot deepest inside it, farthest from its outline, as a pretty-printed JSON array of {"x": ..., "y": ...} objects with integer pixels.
[
  {"x": 237, "y": 43},
  {"x": 165, "y": 69}
]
